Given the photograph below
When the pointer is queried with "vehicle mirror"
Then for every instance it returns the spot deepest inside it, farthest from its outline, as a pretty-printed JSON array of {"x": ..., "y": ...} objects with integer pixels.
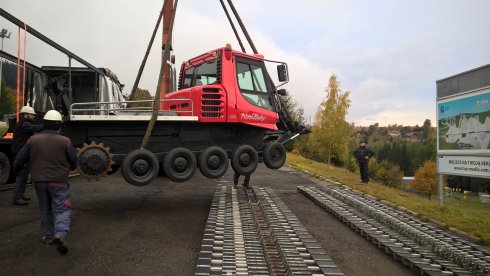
[
  {"x": 282, "y": 72},
  {"x": 282, "y": 92}
]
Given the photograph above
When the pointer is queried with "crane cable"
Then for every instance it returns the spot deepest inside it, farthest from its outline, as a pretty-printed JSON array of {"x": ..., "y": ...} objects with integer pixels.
[
  {"x": 244, "y": 30},
  {"x": 145, "y": 58},
  {"x": 156, "y": 99},
  {"x": 232, "y": 26}
]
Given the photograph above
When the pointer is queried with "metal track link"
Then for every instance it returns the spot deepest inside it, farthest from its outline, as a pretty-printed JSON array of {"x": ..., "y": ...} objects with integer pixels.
[
  {"x": 301, "y": 254},
  {"x": 423, "y": 247},
  {"x": 244, "y": 236}
]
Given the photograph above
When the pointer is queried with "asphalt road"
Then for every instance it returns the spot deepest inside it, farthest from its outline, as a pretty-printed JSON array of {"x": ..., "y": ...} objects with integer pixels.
[{"x": 118, "y": 229}]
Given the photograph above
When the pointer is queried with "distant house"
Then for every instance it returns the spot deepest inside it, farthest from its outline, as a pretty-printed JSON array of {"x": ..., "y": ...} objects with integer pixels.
[
  {"x": 394, "y": 133},
  {"x": 412, "y": 136}
]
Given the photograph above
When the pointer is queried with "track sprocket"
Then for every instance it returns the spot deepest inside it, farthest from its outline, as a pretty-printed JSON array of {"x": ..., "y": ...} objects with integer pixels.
[{"x": 95, "y": 160}]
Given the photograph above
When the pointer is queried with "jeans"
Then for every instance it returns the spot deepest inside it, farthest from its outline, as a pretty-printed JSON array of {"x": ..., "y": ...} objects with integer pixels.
[
  {"x": 363, "y": 168},
  {"x": 236, "y": 176},
  {"x": 21, "y": 183},
  {"x": 55, "y": 208}
]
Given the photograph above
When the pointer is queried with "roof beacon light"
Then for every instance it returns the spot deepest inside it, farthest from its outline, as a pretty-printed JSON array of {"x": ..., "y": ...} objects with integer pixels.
[{"x": 228, "y": 51}]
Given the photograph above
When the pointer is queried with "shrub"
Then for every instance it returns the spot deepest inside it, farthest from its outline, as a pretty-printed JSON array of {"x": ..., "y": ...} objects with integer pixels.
[{"x": 395, "y": 177}]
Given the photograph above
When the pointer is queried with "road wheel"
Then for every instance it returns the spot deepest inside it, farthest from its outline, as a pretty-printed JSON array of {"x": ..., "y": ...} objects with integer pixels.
[
  {"x": 213, "y": 162},
  {"x": 139, "y": 167},
  {"x": 274, "y": 155},
  {"x": 244, "y": 160},
  {"x": 180, "y": 164},
  {"x": 4, "y": 168}
]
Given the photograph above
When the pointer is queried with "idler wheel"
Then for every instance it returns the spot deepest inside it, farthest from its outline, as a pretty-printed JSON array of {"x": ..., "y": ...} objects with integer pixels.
[{"x": 274, "y": 155}]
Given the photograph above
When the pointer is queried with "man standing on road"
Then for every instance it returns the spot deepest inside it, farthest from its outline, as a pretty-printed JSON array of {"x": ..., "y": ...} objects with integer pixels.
[
  {"x": 24, "y": 129},
  {"x": 246, "y": 182},
  {"x": 362, "y": 155},
  {"x": 51, "y": 157}
]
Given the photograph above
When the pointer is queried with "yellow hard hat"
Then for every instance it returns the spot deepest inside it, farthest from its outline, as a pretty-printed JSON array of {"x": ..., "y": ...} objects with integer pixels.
[
  {"x": 27, "y": 110},
  {"x": 53, "y": 115}
]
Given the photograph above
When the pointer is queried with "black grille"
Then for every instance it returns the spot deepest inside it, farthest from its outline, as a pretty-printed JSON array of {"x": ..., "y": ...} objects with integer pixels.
[{"x": 211, "y": 103}]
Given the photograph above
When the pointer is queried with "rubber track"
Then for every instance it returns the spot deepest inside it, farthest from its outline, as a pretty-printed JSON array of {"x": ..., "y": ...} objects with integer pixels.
[
  {"x": 252, "y": 232},
  {"x": 425, "y": 248}
]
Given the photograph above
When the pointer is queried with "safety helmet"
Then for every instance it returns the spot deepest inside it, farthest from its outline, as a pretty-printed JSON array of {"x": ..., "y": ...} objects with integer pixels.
[
  {"x": 27, "y": 110},
  {"x": 53, "y": 115}
]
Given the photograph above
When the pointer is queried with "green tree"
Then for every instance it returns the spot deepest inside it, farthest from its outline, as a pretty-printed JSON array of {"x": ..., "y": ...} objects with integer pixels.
[
  {"x": 7, "y": 101},
  {"x": 330, "y": 132},
  {"x": 139, "y": 95},
  {"x": 296, "y": 112},
  {"x": 426, "y": 130},
  {"x": 293, "y": 109}
]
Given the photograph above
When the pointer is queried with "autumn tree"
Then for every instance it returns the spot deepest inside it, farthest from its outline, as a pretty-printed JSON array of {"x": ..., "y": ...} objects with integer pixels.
[
  {"x": 330, "y": 133},
  {"x": 425, "y": 180}
]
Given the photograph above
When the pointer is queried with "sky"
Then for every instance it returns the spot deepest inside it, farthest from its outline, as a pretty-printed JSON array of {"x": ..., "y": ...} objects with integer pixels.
[{"x": 387, "y": 54}]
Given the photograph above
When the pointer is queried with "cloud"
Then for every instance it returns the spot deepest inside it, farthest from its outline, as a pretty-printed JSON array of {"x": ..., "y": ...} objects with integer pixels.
[{"x": 388, "y": 54}]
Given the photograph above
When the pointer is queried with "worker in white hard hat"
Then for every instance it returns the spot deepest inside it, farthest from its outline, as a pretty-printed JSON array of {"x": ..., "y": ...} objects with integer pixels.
[
  {"x": 51, "y": 156},
  {"x": 24, "y": 129}
]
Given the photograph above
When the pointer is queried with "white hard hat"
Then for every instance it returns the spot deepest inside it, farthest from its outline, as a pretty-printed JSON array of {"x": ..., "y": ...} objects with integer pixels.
[
  {"x": 53, "y": 115},
  {"x": 28, "y": 110}
]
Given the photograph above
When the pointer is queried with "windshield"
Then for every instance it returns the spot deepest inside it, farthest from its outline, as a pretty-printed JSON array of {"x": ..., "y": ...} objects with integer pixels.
[{"x": 206, "y": 73}]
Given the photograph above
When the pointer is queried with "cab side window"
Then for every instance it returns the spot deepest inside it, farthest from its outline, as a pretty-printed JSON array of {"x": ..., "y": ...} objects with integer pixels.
[
  {"x": 252, "y": 83},
  {"x": 188, "y": 77}
]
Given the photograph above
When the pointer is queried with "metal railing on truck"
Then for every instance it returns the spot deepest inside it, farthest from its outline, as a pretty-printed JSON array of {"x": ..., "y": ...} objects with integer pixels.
[{"x": 120, "y": 108}]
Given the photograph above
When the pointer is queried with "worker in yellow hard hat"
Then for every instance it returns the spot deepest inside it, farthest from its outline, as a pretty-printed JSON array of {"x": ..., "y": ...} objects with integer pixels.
[
  {"x": 24, "y": 129},
  {"x": 51, "y": 156}
]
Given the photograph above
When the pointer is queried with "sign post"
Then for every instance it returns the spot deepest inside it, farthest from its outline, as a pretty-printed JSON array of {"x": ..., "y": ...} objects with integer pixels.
[{"x": 463, "y": 126}]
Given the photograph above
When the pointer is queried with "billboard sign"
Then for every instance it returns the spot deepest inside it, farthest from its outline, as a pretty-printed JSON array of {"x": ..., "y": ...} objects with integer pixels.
[
  {"x": 475, "y": 166},
  {"x": 464, "y": 124}
]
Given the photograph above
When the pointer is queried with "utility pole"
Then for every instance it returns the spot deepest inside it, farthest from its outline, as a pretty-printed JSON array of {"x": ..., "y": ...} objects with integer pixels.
[{"x": 3, "y": 35}]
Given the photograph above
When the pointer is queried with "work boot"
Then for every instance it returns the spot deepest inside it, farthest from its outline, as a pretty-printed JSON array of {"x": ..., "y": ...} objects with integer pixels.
[
  {"x": 47, "y": 241},
  {"x": 247, "y": 185},
  {"x": 19, "y": 202},
  {"x": 235, "y": 185},
  {"x": 60, "y": 244}
]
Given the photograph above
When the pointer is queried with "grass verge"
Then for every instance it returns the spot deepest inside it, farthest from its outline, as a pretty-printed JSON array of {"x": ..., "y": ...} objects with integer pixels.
[{"x": 468, "y": 215}]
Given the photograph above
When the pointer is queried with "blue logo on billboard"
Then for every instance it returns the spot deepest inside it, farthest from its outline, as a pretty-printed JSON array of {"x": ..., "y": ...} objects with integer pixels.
[{"x": 442, "y": 109}]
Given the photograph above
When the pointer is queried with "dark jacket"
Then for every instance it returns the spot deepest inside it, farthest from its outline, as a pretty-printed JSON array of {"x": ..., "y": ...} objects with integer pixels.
[
  {"x": 361, "y": 153},
  {"x": 51, "y": 157},
  {"x": 22, "y": 131}
]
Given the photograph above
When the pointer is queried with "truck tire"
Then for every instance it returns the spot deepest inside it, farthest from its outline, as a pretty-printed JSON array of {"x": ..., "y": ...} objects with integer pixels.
[
  {"x": 274, "y": 155},
  {"x": 4, "y": 168},
  {"x": 139, "y": 167},
  {"x": 244, "y": 160},
  {"x": 179, "y": 164},
  {"x": 213, "y": 162}
]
